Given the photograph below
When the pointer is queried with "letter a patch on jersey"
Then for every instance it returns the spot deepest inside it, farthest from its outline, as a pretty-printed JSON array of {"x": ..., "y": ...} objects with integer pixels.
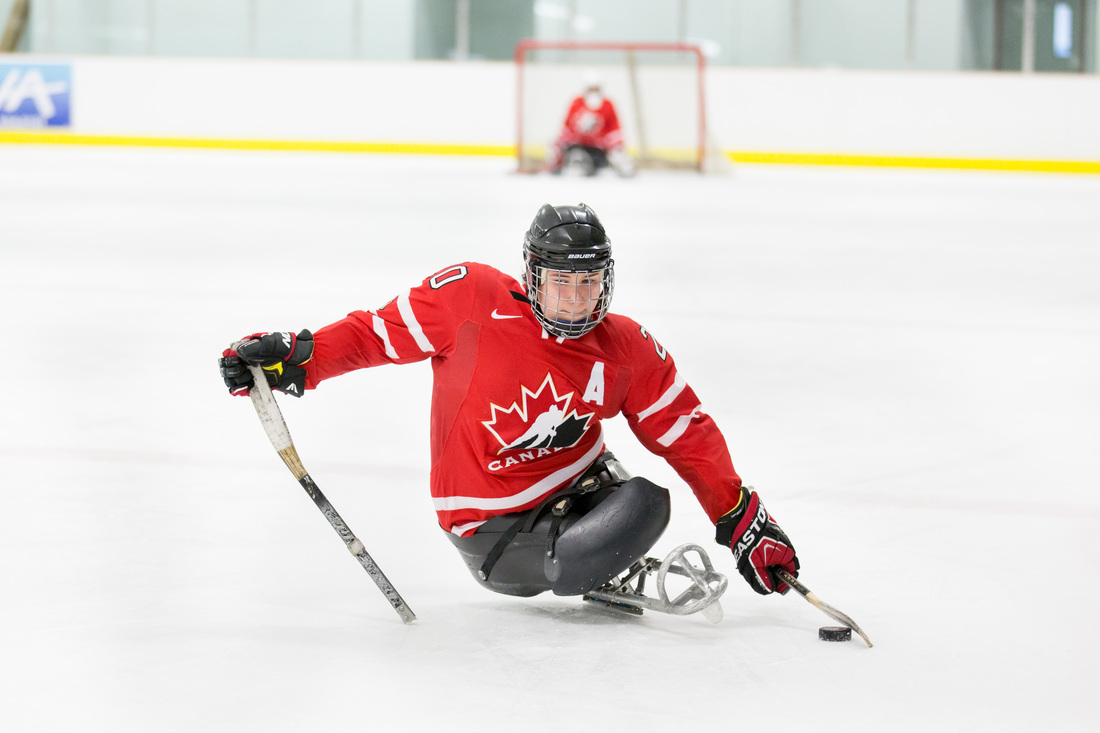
[{"x": 541, "y": 419}]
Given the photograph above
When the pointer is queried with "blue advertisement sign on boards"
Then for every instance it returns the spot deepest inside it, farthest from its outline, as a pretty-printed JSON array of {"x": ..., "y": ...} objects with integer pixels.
[{"x": 35, "y": 95}]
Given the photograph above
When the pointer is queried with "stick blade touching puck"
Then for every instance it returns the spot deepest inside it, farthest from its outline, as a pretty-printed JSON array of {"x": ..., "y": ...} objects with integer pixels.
[{"x": 834, "y": 633}]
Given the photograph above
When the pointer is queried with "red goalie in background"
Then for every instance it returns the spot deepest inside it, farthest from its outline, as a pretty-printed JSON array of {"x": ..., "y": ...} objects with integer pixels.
[{"x": 591, "y": 137}]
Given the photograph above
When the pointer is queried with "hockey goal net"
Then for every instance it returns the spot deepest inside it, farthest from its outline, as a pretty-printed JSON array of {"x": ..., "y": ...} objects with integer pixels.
[{"x": 658, "y": 91}]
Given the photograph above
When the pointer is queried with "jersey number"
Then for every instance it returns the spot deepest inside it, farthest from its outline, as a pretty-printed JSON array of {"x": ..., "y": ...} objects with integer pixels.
[
  {"x": 660, "y": 349},
  {"x": 449, "y": 275}
]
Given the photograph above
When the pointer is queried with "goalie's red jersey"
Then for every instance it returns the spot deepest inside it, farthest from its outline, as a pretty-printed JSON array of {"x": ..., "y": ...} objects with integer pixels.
[
  {"x": 516, "y": 413},
  {"x": 597, "y": 128}
]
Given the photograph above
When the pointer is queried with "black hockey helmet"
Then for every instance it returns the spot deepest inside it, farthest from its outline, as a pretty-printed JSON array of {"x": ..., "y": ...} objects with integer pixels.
[{"x": 568, "y": 239}]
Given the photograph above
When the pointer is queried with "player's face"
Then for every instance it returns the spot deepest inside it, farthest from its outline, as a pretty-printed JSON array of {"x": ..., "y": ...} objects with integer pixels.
[{"x": 570, "y": 297}]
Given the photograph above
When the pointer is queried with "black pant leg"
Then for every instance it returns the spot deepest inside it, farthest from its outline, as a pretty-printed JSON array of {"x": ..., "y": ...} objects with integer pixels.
[{"x": 604, "y": 534}]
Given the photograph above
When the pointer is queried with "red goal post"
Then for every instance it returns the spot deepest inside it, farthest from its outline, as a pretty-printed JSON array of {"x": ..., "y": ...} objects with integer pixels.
[{"x": 664, "y": 120}]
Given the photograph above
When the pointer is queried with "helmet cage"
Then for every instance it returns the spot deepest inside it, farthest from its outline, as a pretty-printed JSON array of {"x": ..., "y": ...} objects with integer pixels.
[{"x": 558, "y": 294}]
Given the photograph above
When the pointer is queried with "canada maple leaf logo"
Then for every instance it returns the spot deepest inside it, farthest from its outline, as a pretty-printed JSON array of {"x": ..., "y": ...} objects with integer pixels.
[{"x": 540, "y": 419}]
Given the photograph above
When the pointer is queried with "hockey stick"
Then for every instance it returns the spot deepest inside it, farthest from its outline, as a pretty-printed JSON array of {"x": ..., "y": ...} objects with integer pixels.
[
  {"x": 271, "y": 417},
  {"x": 829, "y": 610}
]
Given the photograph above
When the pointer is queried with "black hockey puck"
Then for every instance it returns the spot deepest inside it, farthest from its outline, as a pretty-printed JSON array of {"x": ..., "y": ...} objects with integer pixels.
[{"x": 834, "y": 633}]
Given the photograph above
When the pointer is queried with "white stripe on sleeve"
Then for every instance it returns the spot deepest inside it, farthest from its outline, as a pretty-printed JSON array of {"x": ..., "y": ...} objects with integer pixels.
[
  {"x": 404, "y": 307},
  {"x": 666, "y": 399},
  {"x": 488, "y": 503},
  {"x": 678, "y": 429},
  {"x": 380, "y": 329}
]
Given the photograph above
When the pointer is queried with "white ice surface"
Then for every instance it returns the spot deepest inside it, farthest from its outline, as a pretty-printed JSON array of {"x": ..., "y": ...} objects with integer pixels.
[{"x": 905, "y": 364}]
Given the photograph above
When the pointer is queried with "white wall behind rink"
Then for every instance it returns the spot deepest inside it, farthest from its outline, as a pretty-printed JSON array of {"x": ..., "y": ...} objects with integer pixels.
[{"x": 951, "y": 114}]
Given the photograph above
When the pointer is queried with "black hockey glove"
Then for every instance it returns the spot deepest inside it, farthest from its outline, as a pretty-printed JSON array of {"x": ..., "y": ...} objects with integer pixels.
[
  {"x": 758, "y": 544},
  {"x": 280, "y": 354}
]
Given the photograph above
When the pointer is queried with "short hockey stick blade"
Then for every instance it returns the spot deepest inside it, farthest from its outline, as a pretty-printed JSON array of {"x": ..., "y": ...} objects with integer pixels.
[
  {"x": 825, "y": 607},
  {"x": 271, "y": 417}
]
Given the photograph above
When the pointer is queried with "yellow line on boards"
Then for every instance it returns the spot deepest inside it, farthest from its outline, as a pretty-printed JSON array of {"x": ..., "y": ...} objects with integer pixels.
[
  {"x": 336, "y": 146},
  {"x": 737, "y": 156},
  {"x": 900, "y": 161}
]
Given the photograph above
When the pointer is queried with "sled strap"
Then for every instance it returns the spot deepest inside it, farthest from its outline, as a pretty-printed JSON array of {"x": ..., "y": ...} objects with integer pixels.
[
  {"x": 598, "y": 475},
  {"x": 559, "y": 511},
  {"x": 524, "y": 522}
]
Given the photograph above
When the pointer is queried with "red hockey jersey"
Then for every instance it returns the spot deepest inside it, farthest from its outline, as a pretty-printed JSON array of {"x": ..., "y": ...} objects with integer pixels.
[
  {"x": 516, "y": 413},
  {"x": 597, "y": 128}
]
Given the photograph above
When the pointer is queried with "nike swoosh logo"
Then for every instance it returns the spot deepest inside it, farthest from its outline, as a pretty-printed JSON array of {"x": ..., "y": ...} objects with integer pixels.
[{"x": 498, "y": 316}]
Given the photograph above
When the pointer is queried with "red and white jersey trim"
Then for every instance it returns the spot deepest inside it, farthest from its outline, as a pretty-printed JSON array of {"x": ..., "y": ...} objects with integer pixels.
[
  {"x": 679, "y": 427},
  {"x": 404, "y": 307},
  {"x": 380, "y": 328},
  {"x": 503, "y": 504},
  {"x": 461, "y": 529},
  {"x": 666, "y": 399}
]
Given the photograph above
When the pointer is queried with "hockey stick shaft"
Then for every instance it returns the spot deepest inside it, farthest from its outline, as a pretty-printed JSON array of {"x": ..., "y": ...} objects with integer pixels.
[
  {"x": 271, "y": 417},
  {"x": 825, "y": 607}
]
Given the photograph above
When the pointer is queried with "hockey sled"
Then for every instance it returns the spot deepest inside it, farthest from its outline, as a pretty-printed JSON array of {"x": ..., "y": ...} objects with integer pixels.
[{"x": 627, "y": 593}]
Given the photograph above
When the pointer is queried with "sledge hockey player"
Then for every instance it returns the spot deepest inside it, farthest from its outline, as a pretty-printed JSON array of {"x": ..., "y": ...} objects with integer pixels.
[
  {"x": 591, "y": 138},
  {"x": 523, "y": 375}
]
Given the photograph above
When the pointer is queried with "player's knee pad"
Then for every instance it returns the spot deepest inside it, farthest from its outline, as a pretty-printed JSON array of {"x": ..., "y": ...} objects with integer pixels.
[
  {"x": 622, "y": 163},
  {"x": 579, "y": 159}
]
